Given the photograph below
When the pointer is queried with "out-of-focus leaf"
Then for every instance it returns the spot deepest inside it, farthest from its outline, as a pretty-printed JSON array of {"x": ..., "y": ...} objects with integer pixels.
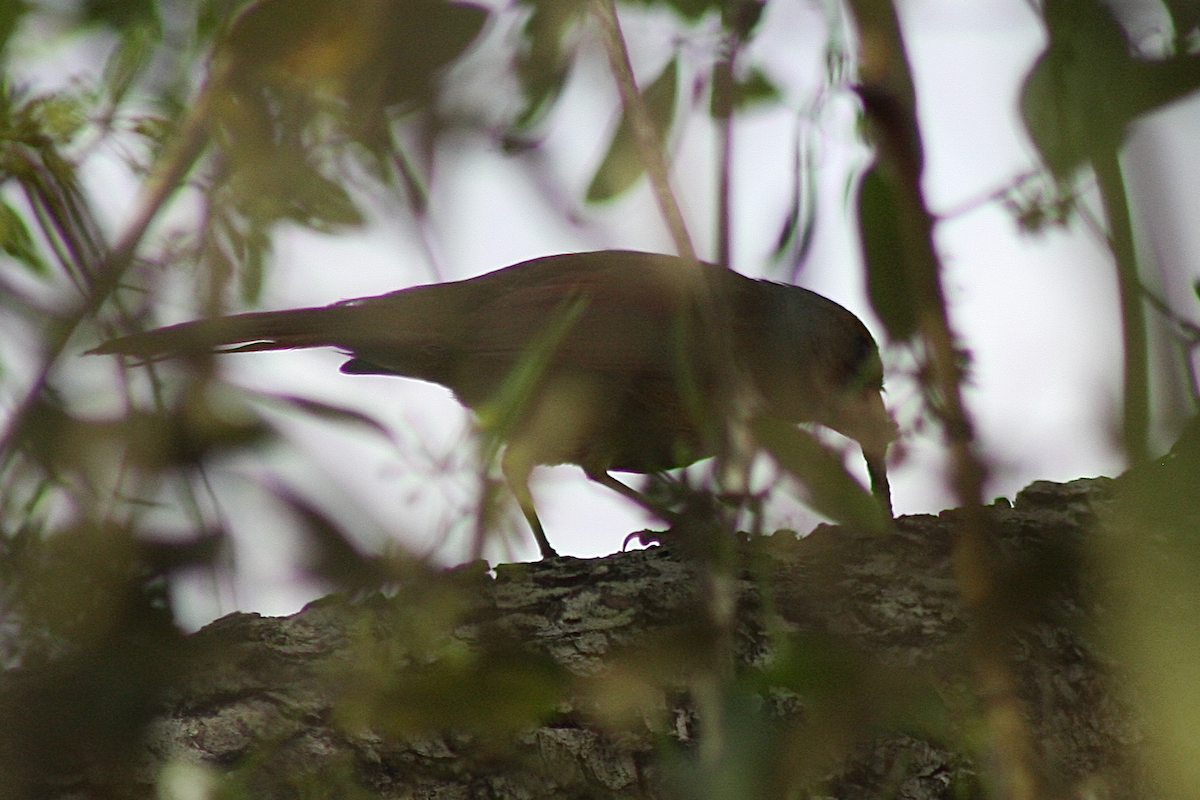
[
  {"x": 888, "y": 282},
  {"x": 1087, "y": 87},
  {"x": 622, "y": 165},
  {"x": 835, "y": 679},
  {"x": 688, "y": 9},
  {"x": 257, "y": 245},
  {"x": 832, "y": 491},
  {"x": 121, "y": 14},
  {"x": 329, "y": 412},
  {"x": 542, "y": 62},
  {"x": 493, "y": 691},
  {"x": 10, "y": 15},
  {"x": 151, "y": 442},
  {"x": 375, "y": 52},
  {"x": 1150, "y": 555},
  {"x": 754, "y": 88},
  {"x": 335, "y": 557},
  {"x": 59, "y": 116},
  {"x": 131, "y": 56},
  {"x": 17, "y": 242},
  {"x": 499, "y": 415},
  {"x": 728, "y": 95},
  {"x": 1185, "y": 14},
  {"x": 741, "y": 17}
]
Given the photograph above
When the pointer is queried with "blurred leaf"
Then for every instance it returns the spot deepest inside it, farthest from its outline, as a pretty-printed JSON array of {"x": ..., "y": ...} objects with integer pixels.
[
  {"x": 688, "y": 9},
  {"x": 252, "y": 263},
  {"x": 331, "y": 413},
  {"x": 1087, "y": 87},
  {"x": 10, "y": 14},
  {"x": 853, "y": 692},
  {"x": 883, "y": 246},
  {"x": 131, "y": 56},
  {"x": 378, "y": 53},
  {"x": 1150, "y": 554},
  {"x": 121, "y": 14},
  {"x": 622, "y": 165},
  {"x": 832, "y": 491},
  {"x": 741, "y": 17},
  {"x": 59, "y": 116},
  {"x": 493, "y": 691},
  {"x": 1185, "y": 14},
  {"x": 336, "y": 558},
  {"x": 17, "y": 242},
  {"x": 503, "y": 411},
  {"x": 546, "y": 53},
  {"x": 152, "y": 442},
  {"x": 754, "y": 88},
  {"x": 747, "y": 765}
]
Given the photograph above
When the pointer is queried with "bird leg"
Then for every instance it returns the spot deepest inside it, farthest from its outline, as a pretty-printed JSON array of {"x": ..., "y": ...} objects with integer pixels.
[{"x": 516, "y": 473}]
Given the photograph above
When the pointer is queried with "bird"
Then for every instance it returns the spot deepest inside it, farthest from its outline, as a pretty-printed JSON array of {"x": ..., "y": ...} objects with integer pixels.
[{"x": 581, "y": 350}]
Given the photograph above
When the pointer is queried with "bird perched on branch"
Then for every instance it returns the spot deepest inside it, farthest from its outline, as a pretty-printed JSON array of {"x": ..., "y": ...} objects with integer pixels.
[{"x": 576, "y": 359}]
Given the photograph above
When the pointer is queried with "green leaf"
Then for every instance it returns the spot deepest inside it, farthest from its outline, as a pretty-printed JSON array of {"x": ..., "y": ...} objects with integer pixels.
[
  {"x": 17, "y": 242},
  {"x": 10, "y": 15},
  {"x": 622, "y": 165},
  {"x": 832, "y": 490},
  {"x": 121, "y": 14},
  {"x": 545, "y": 55},
  {"x": 1087, "y": 87},
  {"x": 130, "y": 57},
  {"x": 329, "y": 412},
  {"x": 883, "y": 248},
  {"x": 500, "y": 414},
  {"x": 688, "y": 9},
  {"x": 754, "y": 88},
  {"x": 59, "y": 116},
  {"x": 253, "y": 266}
]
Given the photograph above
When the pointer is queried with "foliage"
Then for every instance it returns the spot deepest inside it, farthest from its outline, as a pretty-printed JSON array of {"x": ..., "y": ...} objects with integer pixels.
[{"x": 241, "y": 120}]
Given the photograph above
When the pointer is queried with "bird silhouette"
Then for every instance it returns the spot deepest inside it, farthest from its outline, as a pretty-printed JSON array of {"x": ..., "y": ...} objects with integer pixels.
[{"x": 582, "y": 352}]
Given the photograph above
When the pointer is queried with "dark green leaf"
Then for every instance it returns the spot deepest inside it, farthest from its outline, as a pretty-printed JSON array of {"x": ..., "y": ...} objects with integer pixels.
[
  {"x": 1186, "y": 15},
  {"x": 60, "y": 116},
  {"x": 330, "y": 412},
  {"x": 17, "y": 242},
  {"x": 1087, "y": 87},
  {"x": 832, "y": 490},
  {"x": 883, "y": 248},
  {"x": 121, "y": 14},
  {"x": 128, "y": 60},
  {"x": 499, "y": 690},
  {"x": 754, "y": 88},
  {"x": 688, "y": 9},
  {"x": 543, "y": 60},
  {"x": 502, "y": 412},
  {"x": 10, "y": 15},
  {"x": 622, "y": 165}
]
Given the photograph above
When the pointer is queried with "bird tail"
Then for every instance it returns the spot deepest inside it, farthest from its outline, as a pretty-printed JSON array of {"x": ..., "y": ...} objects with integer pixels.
[{"x": 264, "y": 330}]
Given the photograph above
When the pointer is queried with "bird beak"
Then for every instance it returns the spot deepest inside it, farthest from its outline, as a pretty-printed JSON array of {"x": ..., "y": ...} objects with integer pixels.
[{"x": 864, "y": 418}]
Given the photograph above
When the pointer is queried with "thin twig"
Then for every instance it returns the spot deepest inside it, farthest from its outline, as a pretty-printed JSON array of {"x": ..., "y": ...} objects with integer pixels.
[
  {"x": 171, "y": 168},
  {"x": 890, "y": 105},
  {"x": 1136, "y": 427},
  {"x": 644, "y": 133}
]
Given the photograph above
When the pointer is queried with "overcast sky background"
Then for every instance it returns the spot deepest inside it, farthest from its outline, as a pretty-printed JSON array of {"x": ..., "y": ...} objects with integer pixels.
[{"x": 1037, "y": 313}]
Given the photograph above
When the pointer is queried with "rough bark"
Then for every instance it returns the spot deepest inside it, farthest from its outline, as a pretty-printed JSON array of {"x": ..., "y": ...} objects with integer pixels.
[{"x": 266, "y": 700}]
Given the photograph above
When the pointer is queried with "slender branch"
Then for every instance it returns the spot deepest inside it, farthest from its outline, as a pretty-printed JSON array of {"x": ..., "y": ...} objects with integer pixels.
[
  {"x": 890, "y": 105},
  {"x": 1136, "y": 414},
  {"x": 723, "y": 111},
  {"x": 644, "y": 133},
  {"x": 172, "y": 166}
]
